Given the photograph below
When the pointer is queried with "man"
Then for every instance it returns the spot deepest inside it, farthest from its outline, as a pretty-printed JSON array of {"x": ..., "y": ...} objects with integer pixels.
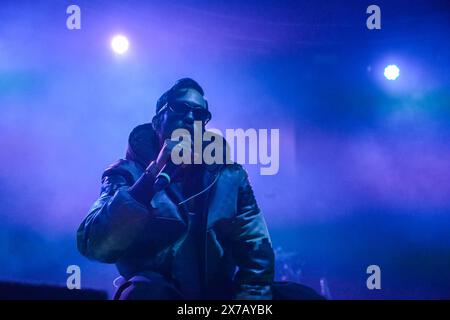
[{"x": 201, "y": 237}]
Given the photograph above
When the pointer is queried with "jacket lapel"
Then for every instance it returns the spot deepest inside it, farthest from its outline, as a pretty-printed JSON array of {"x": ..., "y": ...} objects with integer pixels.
[{"x": 173, "y": 191}]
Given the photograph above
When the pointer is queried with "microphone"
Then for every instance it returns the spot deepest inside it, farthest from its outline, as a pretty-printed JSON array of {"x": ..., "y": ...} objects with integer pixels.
[
  {"x": 166, "y": 174},
  {"x": 164, "y": 178}
]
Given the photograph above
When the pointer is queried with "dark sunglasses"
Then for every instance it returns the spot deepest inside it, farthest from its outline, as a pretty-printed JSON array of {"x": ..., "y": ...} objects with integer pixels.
[{"x": 183, "y": 108}]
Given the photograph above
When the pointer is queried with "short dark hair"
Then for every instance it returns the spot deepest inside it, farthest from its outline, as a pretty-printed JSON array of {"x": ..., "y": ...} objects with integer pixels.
[
  {"x": 184, "y": 83},
  {"x": 187, "y": 83}
]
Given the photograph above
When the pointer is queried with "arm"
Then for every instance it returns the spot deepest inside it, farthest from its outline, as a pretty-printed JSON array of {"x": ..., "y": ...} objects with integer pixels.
[
  {"x": 123, "y": 210},
  {"x": 251, "y": 246},
  {"x": 117, "y": 217}
]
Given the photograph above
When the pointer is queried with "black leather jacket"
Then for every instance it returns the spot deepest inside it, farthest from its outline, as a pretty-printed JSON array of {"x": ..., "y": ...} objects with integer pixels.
[{"x": 138, "y": 238}]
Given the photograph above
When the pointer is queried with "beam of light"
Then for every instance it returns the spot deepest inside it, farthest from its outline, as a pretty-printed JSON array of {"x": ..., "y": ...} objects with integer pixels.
[
  {"x": 120, "y": 44},
  {"x": 391, "y": 72}
]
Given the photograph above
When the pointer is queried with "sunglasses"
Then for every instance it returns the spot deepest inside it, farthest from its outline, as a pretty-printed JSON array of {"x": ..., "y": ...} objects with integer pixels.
[{"x": 183, "y": 108}]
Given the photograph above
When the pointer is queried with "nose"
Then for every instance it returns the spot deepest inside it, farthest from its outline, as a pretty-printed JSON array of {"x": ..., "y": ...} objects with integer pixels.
[{"x": 189, "y": 117}]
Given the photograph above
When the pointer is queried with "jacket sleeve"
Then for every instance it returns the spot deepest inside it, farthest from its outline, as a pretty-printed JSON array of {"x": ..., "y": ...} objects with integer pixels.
[
  {"x": 251, "y": 247},
  {"x": 113, "y": 221}
]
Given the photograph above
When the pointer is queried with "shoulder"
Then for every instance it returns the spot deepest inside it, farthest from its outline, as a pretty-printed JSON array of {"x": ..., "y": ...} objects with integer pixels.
[
  {"x": 128, "y": 169},
  {"x": 236, "y": 171},
  {"x": 235, "y": 168}
]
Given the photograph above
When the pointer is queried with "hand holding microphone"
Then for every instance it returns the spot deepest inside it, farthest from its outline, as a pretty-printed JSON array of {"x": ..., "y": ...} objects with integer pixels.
[
  {"x": 159, "y": 172},
  {"x": 169, "y": 169}
]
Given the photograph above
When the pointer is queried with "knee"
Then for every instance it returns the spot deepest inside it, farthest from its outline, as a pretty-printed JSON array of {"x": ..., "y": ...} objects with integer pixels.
[{"x": 143, "y": 288}]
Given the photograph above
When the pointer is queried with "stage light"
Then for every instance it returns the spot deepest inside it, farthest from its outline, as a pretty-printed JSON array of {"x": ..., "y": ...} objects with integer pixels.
[
  {"x": 120, "y": 44},
  {"x": 391, "y": 72}
]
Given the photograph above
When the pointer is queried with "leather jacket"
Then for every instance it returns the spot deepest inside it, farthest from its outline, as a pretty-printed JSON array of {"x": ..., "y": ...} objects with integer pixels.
[{"x": 236, "y": 256}]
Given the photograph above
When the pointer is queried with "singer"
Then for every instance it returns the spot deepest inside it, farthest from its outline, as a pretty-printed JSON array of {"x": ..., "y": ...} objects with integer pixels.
[{"x": 178, "y": 232}]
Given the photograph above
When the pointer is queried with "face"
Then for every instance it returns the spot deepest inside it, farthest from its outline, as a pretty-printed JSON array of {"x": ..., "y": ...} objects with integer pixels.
[{"x": 187, "y": 106}]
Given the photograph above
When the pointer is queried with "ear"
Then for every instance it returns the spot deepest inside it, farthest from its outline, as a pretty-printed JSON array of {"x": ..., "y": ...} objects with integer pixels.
[{"x": 155, "y": 123}]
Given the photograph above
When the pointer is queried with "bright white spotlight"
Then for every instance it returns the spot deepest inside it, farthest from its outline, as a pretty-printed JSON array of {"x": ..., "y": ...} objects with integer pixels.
[
  {"x": 120, "y": 44},
  {"x": 391, "y": 72}
]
